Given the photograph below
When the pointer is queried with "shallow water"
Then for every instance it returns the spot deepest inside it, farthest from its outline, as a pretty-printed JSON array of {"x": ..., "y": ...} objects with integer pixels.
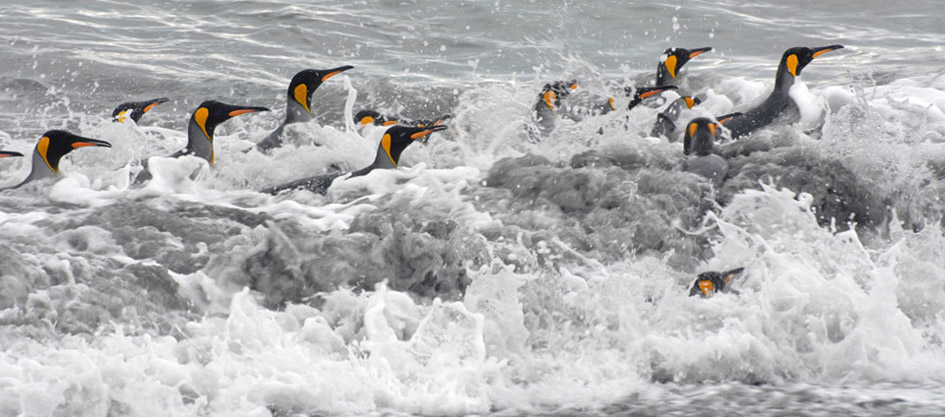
[{"x": 489, "y": 274}]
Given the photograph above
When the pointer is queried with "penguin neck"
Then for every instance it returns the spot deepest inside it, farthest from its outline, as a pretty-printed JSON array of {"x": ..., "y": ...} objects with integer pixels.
[
  {"x": 662, "y": 76},
  {"x": 295, "y": 112},
  {"x": 198, "y": 143},
  {"x": 543, "y": 112},
  {"x": 702, "y": 145},
  {"x": 783, "y": 81},
  {"x": 41, "y": 169},
  {"x": 383, "y": 161}
]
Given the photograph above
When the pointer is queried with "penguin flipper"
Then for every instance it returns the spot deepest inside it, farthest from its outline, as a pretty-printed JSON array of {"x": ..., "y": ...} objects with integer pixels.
[
  {"x": 274, "y": 140},
  {"x": 317, "y": 184}
]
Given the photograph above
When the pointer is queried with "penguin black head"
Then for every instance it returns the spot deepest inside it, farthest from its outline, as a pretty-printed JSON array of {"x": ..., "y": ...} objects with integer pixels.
[
  {"x": 7, "y": 154},
  {"x": 57, "y": 143},
  {"x": 366, "y": 117},
  {"x": 205, "y": 119},
  {"x": 795, "y": 59},
  {"x": 642, "y": 93},
  {"x": 673, "y": 60},
  {"x": 305, "y": 83},
  {"x": 691, "y": 101},
  {"x": 708, "y": 283},
  {"x": 135, "y": 109},
  {"x": 398, "y": 137},
  {"x": 700, "y": 136},
  {"x": 554, "y": 92}
]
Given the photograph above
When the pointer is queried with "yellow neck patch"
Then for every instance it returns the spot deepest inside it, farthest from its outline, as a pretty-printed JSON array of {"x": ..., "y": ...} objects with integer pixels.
[
  {"x": 385, "y": 143},
  {"x": 43, "y": 147},
  {"x": 610, "y": 102},
  {"x": 200, "y": 116},
  {"x": 301, "y": 96},
  {"x": 550, "y": 97},
  {"x": 792, "y": 64},
  {"x": 670, "y": 65},
  {"x": 706, "y": 286}
]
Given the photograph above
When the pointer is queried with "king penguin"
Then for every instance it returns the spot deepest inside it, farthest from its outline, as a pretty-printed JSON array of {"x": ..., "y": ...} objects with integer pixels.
[
  {"x": 666, "y": 119},
  {"x": 711, "y": 282},
  {"x": 203, "y": 121},
  {"x": 49, "y": 151},
  {"x": 134, "y": 110},
  {"x": 792, "y": 62},
  {"x": 699, "y": 139},
  {"x": 672, "y": 61},
  {"x": 395, "y": 140},
  {"x": 298, "y": 106},
  {"x": 366, "y": 118},
  {"x": 549, "y": 99}
]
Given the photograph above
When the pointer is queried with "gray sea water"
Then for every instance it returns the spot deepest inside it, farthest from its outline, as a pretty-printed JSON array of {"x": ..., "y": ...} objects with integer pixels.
[{"x": 490, "y": 274}]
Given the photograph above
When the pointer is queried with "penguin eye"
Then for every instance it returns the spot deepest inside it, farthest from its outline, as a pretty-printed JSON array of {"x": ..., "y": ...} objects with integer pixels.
[{"x": 692, "y": 129}]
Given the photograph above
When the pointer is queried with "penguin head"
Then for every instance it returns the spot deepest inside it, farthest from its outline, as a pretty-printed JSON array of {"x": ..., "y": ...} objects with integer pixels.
[
  {"x": 7, "y": 154},
  {"x": 711, "y": 282},
  {"x": 135, "y": 109},
  {"x": 57, "y": 143},
  {"x": 367, "y": 117},
  {"x": 673, "y": 60},
  {"x": 639, "y": 94},
  {"x": 307, "y": 81},
  {"x": 691, "y": 101},
  {"x": 398, "y": 137},
  {"x": 700, "y": 136},
  {"x": 795, "y": 59},
  {"x": 552, "y": 93},
  {"x": 211, "y": 113}
]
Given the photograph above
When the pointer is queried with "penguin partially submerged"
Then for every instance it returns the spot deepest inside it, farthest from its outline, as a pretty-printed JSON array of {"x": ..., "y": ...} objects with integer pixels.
[
  {"x": 710, "y": 283},
  {"x": 638, "y": 94},
  {"x": 792, "y": 63},
  {"x": 666, "y": 119},
  {"x": 395, "y": 140},
  {"x": 699, "y": 141},
  {"x": 373, "y": 118},
  {"x": 298, "y": 106},
  {"x": 50, "y": 149},
  {"x": 134, "y": 110},
  {"x": 549, "y": 99},
  {"x": 672, "y": 61},
  {"x": 204, "y": 120}
]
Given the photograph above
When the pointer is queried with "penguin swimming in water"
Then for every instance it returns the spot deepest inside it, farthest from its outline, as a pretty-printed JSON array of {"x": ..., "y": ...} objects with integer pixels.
[
  {"x": 549, "y": 99},
  {"x": 374, "y": 118},
  {"x": 395, "y": 140},
  {"x": 709, "y": 283},
  {"x": 134, "y": 110},
  {"x": 666, "y": 119},
  {"x": 203, "y": 121},
  {"x": 792, "y": 62},
  {"x": 699, "y": 139},
  {"x": 49, "y": 151},
  {"x": 673, "y": 60},
  {"x": 298, "y": 106}
]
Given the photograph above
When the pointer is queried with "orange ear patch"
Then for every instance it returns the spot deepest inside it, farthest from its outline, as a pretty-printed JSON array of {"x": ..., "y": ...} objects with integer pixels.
[
  {"x": 301, "y": 96},
  {"x": 690, "y": 102},
  {"x": 670, "y": 65},
  {"x": 200, "y": 116},
  {"x": 43, "y": 147},
  {"x": 791, "y": 64},
  {"x": 706, "y": 286},
  {"x": 385, "y": 143},
  {"x": 693, "y": 127},
  {"x": 367, "y": 120},
  {"x": 712, "y": 128},
  {"x": 550, "y": 97}
]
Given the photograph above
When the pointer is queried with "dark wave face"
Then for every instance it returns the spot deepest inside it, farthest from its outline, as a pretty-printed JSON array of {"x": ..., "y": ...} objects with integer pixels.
[{"x": 497, "y": 270}]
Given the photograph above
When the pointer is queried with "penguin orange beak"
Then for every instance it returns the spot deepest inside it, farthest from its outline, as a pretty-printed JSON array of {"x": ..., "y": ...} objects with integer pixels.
[
  {"x": 427, "y": 131},
  {"x": 335, "y": 71},
  {"x": 7, "y": 154},
  {"x": 696, "y": 52},
  {"x": 824, "y": 49},
  {"x": 727, "y": 117},
  {"x": 154, "y": 103},
  {"x": 646, "y": 92},
  {"x": 245, "y": 110},
  {"x": 81, "y": 142}
]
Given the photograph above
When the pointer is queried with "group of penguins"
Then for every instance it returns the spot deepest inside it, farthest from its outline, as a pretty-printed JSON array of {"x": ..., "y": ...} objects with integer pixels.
[{"x": 699, "y": 134}]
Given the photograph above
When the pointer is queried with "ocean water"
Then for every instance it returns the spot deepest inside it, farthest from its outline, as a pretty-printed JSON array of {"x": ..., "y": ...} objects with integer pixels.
[{"x": 490, "y": 274}]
